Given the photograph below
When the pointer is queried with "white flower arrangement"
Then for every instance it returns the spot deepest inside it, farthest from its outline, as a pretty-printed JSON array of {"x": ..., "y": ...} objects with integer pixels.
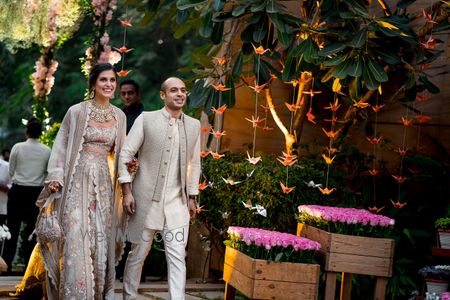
[{"x": 4, "y": 233}]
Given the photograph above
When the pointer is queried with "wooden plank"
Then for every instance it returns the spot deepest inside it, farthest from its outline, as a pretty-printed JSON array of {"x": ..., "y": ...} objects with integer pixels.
[
  {"x": 239, "y": 261},
  {"x": 330, "y": 287},
  {"x": 358, "y": 264},
  {"x": 267, "y": 289},
  {"x": 346, "y": 286},
  {"x": 380, "y": 288},
  {"x": 237, "y": 279},
  {"x": 230, "y": 292},
  {"x": 360, "y": 245},
  {"x": 315, "y": 234}
]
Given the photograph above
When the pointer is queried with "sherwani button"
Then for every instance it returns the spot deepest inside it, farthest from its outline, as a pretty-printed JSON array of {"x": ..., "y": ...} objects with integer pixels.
[
  {"x": 170, "y": 137},
  {"x": 166, "y": 162},
  {"x": 163, "y": 176},
  {"x": 168, "y": 150}
]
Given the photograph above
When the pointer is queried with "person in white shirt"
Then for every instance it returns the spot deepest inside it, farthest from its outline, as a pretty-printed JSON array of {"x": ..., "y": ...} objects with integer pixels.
[
  {"x": 5, "y": 185},
  {"x": 27, "y": 167}
]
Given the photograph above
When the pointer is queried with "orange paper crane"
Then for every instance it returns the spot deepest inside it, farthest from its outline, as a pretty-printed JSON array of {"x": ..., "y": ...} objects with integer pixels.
[
  {"x": 255, "y": 121},
  {"x": 253, "y": 160},
  {"x": 220, "y": 87},
  {"x": 310, "y": 116},
  {"x": 204, "y": 153},
  {"x": 221, "y": 60},
  {"x": 428, "y": 17},
  {"x": 430, "y": 43},
  {"x": 331, "y": 134},
  {"x": 125, "y": 23},
  {"x": 376, "y": 108},
  {"x": 328, "y": 160},
  {"x": 376, "y": 210},
  {"x": 260, "y": 50},
  {"x": 258, "y": 88},
  {"x": 287, "y": 159},
  {"x": 398, "y": 204},
  {"x": 333, "y": 106},
  {"x": 292, "y": 107},
  {"x": 360, "y": 104},
  {"x": 326, "y": 191},
  {"x": 203, "y": 185},
  {"x": 123, "y": 73},
  {"x": 286, "y": 190},
  {"x": 216, "y": 155},
  {"x": 218, "y": 134},
  {"x": 124, "y": 49},
  {"x": 220, "y": 110},
  {"x": 406, "y": 121}
]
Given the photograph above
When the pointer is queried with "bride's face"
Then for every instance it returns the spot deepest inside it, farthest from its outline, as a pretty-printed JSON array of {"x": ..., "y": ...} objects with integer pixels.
[{"x": 105, "y": 85}]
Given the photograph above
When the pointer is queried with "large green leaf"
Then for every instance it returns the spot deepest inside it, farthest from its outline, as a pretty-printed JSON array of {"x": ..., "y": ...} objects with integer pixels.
[
  {"x": 152, "y": 5},
  {"x": 217, "y": 34},
  {"x": 341, "y": 70},
  {"x": 218, "y": 5},
  {"x": 289, "y": 69},
  {"x": 391, "y": 58},
  {"x": 357, "y": 8},
  {"x": 259, "y": 33},
  {"x": 182, "y": 30},
  {"x": 359, "y": 39},
  {"x": 258, "y": 7},
  {"x": 336, "y": 60},
  {"x": 369, "y": 80},
  {"x": 377, "y": 71},
  {"x": 199, "y": 94},
  {"x": 430, "y": 56},
  {"x": 405, "y": 3},
  {"x": 272, "y": 7},
  {"x": 429, "y": 85},
  {"x": 185, "y": 4},
  {"x": 206, "y": 28},
  {"x": 285, "y": 39},
  {"x": 237, "y": 68},
  {"x": 302, "y": 47},
  {"x": 332, "y": 49},
  {"x": 355, "y": 67},
  {"x": 229, "y": 97},
  {"x": 182, "y": 16},
  {"x": 239, "y": 10}
]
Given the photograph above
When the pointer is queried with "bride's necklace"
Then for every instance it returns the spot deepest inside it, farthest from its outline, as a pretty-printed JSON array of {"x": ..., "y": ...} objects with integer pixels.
[{"x": 100, "y": 113}]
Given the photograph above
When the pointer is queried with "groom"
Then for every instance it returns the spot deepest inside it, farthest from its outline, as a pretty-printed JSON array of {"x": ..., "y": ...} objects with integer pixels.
[{"x": 164, "y": 190}]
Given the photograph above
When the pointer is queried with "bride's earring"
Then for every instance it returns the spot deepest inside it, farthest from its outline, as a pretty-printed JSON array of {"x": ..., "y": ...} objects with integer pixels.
[{"x": 92, "y": 94}]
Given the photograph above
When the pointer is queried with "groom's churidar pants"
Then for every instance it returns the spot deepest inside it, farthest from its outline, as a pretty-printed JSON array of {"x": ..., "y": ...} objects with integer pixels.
[{"x": 175, "y": 242}]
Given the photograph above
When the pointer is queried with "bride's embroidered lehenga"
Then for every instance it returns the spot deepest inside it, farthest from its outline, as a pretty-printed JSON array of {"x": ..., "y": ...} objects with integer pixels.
[
  {"x": 87, "y": 218},
  {"x": 81, "y": 265}
]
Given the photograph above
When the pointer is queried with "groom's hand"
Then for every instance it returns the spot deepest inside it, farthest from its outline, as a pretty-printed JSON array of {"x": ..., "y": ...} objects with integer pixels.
[
  {"x": 129, "y": 204},
  {"x": 128, "y": 201}
]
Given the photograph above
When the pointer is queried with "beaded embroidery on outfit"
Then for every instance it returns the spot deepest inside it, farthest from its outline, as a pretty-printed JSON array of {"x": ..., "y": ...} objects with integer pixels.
[{"x": 100, "y": 113}]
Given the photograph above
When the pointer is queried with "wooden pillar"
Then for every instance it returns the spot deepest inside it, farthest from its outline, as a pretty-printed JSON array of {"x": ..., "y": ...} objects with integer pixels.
[
  {"x": 380, "y": 288},
  {"x": 330, "y": 286},
  {"x": 346, "y": 286}
]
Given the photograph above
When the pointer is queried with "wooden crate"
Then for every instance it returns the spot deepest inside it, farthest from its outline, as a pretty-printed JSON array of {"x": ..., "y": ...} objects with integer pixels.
[
  {"x": 352, "y": 254},
  {"x": 260, "y": 279}
]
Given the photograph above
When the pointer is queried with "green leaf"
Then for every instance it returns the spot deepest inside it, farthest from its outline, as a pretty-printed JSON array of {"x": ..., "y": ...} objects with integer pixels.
[
  {"x": 182, "y": 30},
  {"x": 355, "y": 67},
  {"x": 218, "y": 5},
  {"x": 272, "y": 7},
  {"x": 217, "y": 34},
  {"x": 429, "y": 85},
  {"x": 182, "y": 16},
  {"x": 237, "y": 68},
  {"x": 206, "y": 28},
  {"x": 185, "y": 4},
  {"x": 445, "y": 25},
  {"x": 336, "y": 60},
  {"x": 289, "y": 69},
  {"x": 147, "y": 18},
  {"x": 239, "y": 10},
  {"x": 302, "y": 47},
  {"x": 390, "y": 58},
  {"x": 259, "y": 33},
  {"x": 258, "y": 7},
  {"x": 254, "y": 18},
  {"x": 229, "y": 97},
  {"x": 377, "y": 71},
  {"x": 357, "y": 8},
  {"x": 359, "y": 39},
  {"x": 341, "y": 69},
  {"x": 285, "y": 39},
  {"x": 223, "y": 16},
  {"x": 404, "y": 3},
  {"x": 152, "y": 5},
  {"x": 279, "y": 256},
  {"x": 430, "y": 56},
  {"x": 355, "y": 88},
  {"x": 369, "y": 80},
  {"x": 332, "y": 49},
  {"x": 411, "y": 94}
]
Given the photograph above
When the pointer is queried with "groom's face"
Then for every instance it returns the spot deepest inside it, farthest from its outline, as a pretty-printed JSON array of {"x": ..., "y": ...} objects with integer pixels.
[{"x": 174, "y": 94}]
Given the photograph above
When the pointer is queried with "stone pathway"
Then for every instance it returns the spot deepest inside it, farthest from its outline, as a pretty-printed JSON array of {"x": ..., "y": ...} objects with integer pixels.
[{"x": 156, "y": 290}]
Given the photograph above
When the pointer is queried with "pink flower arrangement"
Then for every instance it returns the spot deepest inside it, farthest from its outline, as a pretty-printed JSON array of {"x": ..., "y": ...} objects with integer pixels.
[
  {"x": 346, "y": 220},
  {"x": 272, "y": 245}
]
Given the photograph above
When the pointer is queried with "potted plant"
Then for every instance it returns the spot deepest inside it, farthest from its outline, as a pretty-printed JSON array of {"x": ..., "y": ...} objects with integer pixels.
[
  {"x": 443, "y": 227},
  {"x": 264, "y": 264},
  {"x": 436, "y": 278}
]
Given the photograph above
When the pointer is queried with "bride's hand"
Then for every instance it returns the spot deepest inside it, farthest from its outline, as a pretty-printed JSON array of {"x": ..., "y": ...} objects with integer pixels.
[{"x": 53, "y": 187}]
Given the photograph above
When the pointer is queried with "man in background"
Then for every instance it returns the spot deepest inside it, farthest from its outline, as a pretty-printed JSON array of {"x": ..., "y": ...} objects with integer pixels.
[
  {"x": 5, "y": 185},
  {"x": 131, "y": 99},
  {"x": 27, "y": 167}
]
